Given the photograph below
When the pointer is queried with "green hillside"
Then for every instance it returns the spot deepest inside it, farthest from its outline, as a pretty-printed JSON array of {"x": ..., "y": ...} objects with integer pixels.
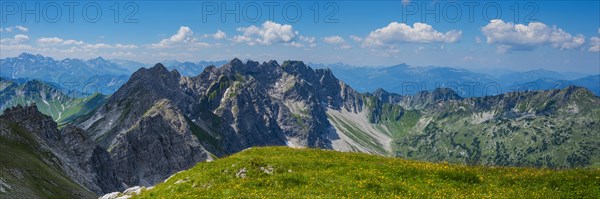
[
  {"x": 281, "y": 172},
  {"x": 548, "y": 129},
  {"x": 49, "y": 99}
]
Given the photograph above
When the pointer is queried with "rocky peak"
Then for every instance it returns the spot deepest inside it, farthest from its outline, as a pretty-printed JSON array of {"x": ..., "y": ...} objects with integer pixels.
[
  {"x": 157, "y": 78},
  {"x": 272, "y": 62},
  {"x": 381, "y": 94},
  {"x": 444, "y": 94},
  {"x": 21, "y": 113},
  {"x": 32, "y": 120},
  {"x": 158, "y": 69},
  {"x": 571, "y": 89},
  {"x": 296, "y": 67},
  {"x": 236, "y": 61},
  {"x": 234, "y": 64},
  {"x": 69, "y": 148},
  {"x": 30, "y": 56}
]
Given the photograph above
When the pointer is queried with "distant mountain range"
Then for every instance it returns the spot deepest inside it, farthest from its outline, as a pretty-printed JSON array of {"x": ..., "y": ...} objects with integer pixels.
[
  {"x": 106, "y": 76},
  {"x": 97, "y": 75},
  {"x": 408, "y": 80}
]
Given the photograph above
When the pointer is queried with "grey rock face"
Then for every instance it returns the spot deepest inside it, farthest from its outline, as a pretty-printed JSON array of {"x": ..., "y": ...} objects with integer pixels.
[
  {"x": 160, "y": 122},
  {"x": 91, "y": 158},
  {"x": 158, "y": 145},
  {"x": 78, "y": 157}
]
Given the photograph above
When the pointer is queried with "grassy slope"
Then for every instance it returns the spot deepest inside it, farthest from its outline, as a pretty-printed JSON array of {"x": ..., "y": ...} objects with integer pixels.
[
  {"x": 36, "y": 176},
  {"x": 329, "y": 174}
]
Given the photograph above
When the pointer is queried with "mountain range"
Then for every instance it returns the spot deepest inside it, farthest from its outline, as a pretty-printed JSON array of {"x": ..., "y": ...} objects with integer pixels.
[
  {"x": 96, "y": 75},
  {"x": 407, "y": 80},
  {"x": 160, "y": 122},
  {"x": 106, "y": 76}
]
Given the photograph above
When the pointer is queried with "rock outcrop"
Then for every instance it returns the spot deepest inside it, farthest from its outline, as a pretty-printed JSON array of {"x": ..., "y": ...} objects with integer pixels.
[{"x": 68, "y": 150}]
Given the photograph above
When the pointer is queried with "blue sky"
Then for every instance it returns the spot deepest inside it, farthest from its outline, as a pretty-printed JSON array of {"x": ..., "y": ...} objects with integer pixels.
[{"x": 488, "y": 35}]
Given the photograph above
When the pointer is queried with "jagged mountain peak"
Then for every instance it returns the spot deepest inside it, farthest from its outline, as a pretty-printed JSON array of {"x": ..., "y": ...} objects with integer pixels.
[
  {"x": 445, "y": 94},
  {"x": 380, "y": 91},
  {"x": 571, "y": 91},
  {"x": 273, "y": 62},
  {"x": 34, "y": 58},
  {"x": 235, "y": 61},
  {"x": 157, "y": 70},
  {"x": 29, "y": 55},
  {"x": 291, "y": 65},
  {"x": 66, "y": 151},
  {"x": 35, "y": 121},
  {"x": 20, "y": 113}
]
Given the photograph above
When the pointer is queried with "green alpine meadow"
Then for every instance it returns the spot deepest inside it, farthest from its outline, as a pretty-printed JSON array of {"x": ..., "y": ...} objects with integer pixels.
[{"x": 281, "y": 172}]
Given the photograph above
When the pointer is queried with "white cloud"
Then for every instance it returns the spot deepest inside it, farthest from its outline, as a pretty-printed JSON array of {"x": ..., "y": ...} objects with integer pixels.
[
  {"x": 595, "y": 44},
  {"x": 183, "y": 36},
  {"x": 50, "y": 40},
  {"x": 219, "y": 35},
  {"x": 125, "y": 46},
  {"x": 96, "y": 46},
  {"x": 336, "y": 40},
  {"x": 309, "y": 40},
  {"x": 396, "y": 33},
  {"x": 45, "y": 41},
  {"x": 511, "y": 36},
  {"x": 17, "y": 39},
  {"x": 356, "y": 38},
  {"x": 11, "y": 29},
  {"x": 22, "y": 28},
  {"x": 269, "y": 33},
  {"x": 15, "y": 43}
]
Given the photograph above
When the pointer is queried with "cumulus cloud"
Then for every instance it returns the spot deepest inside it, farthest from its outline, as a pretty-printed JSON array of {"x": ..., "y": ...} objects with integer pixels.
[
  {"x": 269, "y": 33},
  {"x": 356, "y": 38},
  {"x": 17, "y": 39},
  {"x": 22, "y": 28},
  {"x": 184, "y": 36},
  {"x": 311, "y": 41},
  {"x": 396, "y": 33},
  {"x": 219, "y": 35},
  {"x": 336, "y": 40},
  {"x": 595, "y": 44},
  {"x": 58, "y": 41},
  {"x": 509, "y": 36},
  {"x": 11, "y": 29}
]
